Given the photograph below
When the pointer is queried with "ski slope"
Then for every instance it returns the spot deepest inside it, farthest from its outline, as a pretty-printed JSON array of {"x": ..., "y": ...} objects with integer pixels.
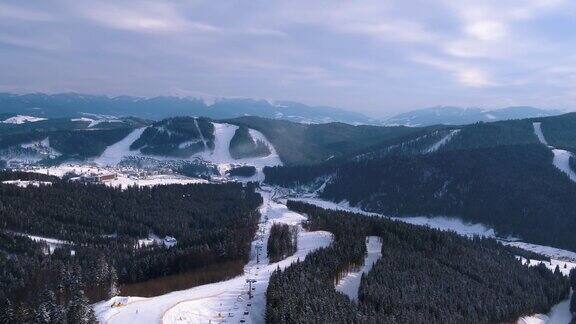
[
  {"x": 116, "y": 152},
  {"x": 350, "y": 284},
  {"x": 561, "y": 157},
  {"x": 221, "y": 157},
  {"x": 226, "y": 300},
  {"x": 434, "y": 147}
]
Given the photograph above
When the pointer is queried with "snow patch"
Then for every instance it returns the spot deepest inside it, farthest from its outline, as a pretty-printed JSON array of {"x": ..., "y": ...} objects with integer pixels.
[{"x": 21, "y": 119}]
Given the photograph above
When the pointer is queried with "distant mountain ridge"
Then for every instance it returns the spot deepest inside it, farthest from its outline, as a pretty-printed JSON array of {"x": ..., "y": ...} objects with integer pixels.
[
  {"x": 462, "y": 116},
  {"x": 78, "y": 105}
]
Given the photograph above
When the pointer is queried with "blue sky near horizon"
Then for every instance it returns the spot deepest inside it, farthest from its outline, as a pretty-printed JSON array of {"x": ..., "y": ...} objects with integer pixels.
[{"x": 376, "y": 57}]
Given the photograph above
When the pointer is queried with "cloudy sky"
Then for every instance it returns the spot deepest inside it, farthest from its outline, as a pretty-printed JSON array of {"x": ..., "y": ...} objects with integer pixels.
[{"x": 377, "y": 57}]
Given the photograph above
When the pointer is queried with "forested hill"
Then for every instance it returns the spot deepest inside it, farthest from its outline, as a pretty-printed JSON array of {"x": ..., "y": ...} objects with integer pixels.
[
  {"x": 108, "y": 241},
  {"x": 423, "y": 276},
  {"x": 306, "y": 144},
  {"x": 515, "y": 189}
]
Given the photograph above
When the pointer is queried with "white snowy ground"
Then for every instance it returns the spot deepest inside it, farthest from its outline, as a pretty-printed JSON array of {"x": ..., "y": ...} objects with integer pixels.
[
  {"x": 51, "y": 242},
  {"x": 21, "y": 119},
  {"x": 221, "y": 301},
  {"x": 350, "y": 284},
  {"x": 561, "y": 157},
  {"x": 221, "y": 155},
  {"x": 122, "y": 180},
  {"x": 116, "y": 152},
  {"x": 560, "y": 313}
]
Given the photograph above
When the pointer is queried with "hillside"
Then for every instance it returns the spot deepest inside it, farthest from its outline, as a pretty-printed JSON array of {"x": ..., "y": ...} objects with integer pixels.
[{"x": 305, "y": 144}]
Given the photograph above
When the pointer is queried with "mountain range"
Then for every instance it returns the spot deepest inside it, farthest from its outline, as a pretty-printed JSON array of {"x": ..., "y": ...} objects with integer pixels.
[
  {"x": 81, "y": 105},
  {"x": 462, "y": 116},
  {"x": 76, "y": 105}
]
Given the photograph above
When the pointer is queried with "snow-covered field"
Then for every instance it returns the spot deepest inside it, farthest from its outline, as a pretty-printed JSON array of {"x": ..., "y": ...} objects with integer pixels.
[
  {"x": 222, "y": 301},
  {"x": 350, "y": 284},
  {"x": 561, "y": 157}
]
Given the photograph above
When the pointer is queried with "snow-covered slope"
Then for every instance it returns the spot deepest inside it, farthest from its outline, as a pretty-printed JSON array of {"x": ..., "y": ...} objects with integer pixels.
[
  {"x": 115, "y": 153},
  {"x": 21, "y": 119},
  {"x": 561, "y": 157},
  {"x": 350, "y": 284},
  {"x": 434, "y": 147},
  {"x": 227, "y": 300}
]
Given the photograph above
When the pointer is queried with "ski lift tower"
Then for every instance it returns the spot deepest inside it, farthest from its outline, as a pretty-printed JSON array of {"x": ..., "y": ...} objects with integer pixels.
[{"x": 250, "y": 282}]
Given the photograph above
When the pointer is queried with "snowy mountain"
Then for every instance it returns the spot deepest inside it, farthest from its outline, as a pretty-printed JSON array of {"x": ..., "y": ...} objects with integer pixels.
[
  {"x": 79, "y": 105},
  {"x": 462, "y": 116}
]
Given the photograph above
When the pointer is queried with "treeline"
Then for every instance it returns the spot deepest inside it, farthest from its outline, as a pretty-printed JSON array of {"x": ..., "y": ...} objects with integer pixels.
[
  {"x": 424, "y": 275},
  {"x": 283, "y": 242},
  {"x": 100, "y": 228},
  {"x": 242, "y": 171},
  {"x": 514, "y": 189},
  {"x": 242, "y": 145}
]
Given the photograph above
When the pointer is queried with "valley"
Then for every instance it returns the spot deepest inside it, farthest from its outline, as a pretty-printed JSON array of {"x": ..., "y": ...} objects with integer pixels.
[{"x": 120, "y": 165}]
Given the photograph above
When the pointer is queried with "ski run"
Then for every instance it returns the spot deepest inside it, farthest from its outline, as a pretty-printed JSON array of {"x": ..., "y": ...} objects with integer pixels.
[{"x": 561, "y": 157}]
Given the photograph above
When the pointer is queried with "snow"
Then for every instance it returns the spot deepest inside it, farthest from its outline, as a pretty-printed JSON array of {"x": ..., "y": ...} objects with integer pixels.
[
  {"x": 434, "y": 147},
  {"x": 350, "y": 284},
  {"x": 229, "y": 299},
  {"x": 438, "y": 222},
  {"x": 561, "y": 157},
  {"x": 562, "y": 162},
  {"x": 21, "y": 119},
  {"x": 566, "y": 260},
  {"x": 548, "y": 251},
  {"x": 221, "y": 154},
  {"x": 123, "y": 177},
  {"x": 559, "y": 314},
  {"x": 538, "y": 131},
  {"x": 51, "y": 242},
  {"x": 116, "y": 152},
  {"x": 26, "y": 183}
]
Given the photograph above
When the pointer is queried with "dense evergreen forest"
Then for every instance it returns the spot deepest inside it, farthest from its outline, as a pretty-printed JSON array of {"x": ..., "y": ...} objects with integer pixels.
[
  {"x": 306, "y": 144},
  {"x": 283, "y": 241},
  {"x": 242, "y": 171},
  {"x": 242, "y": 145},
  {"x": 424, "y": 276},
  {"x": 514, "y": 189},
  {"x": 100, "y": 228},
  {"x": 176, "y": 137}
]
